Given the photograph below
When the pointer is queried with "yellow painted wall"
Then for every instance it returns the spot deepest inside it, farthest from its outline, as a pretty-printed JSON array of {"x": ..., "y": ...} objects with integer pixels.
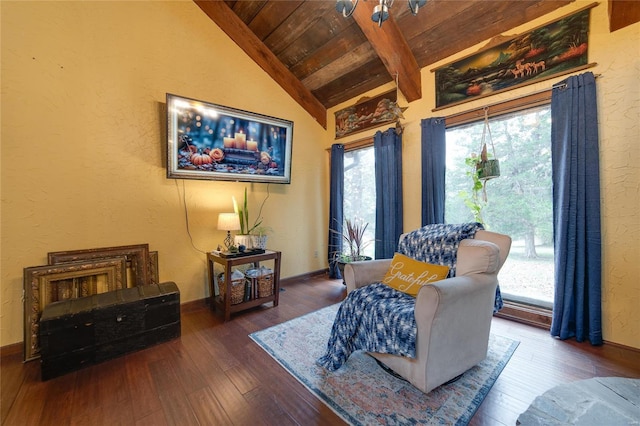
[
  {"x": 83, "y": 134},
  {"x": 83, "y": 142},
  {"x": 618, "y": 57}
]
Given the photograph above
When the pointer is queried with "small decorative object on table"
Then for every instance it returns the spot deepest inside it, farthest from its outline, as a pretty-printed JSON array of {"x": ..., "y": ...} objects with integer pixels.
[{"x": 228, "y": 222}]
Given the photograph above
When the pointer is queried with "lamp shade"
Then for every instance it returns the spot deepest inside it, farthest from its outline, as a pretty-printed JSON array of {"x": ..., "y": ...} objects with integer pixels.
[{"x": 228, "y": 222}]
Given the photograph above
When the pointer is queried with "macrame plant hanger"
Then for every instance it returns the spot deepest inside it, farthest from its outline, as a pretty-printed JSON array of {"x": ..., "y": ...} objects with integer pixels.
[{"x": 487, "y": 168}]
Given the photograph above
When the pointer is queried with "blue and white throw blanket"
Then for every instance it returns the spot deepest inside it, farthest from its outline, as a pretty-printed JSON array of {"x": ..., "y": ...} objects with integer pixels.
[
  {"x": 438, "y": 244},
  {"x": 378, "y": 318},
  {"x": 375, "y": 318}
]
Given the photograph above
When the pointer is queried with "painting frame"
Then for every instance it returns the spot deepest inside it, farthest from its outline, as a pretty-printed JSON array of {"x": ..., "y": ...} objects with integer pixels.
[
  {"x": 154, "y": 272},
  {"x": 550, "y": 50},
  {"x": 368, "y": 113},
  {"x": 38, "y": 289},
  {"x": 214, "y": 142},
  {"x": 137, "y": 256}
]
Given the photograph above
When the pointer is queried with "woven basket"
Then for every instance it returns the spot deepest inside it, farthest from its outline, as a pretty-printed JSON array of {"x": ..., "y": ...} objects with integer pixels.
[
  {"x": 237, "y": 289},
  {"x": 265, "y": 285}
]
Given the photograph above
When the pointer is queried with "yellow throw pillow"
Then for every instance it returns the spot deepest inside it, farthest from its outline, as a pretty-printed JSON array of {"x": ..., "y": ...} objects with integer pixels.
[{"x": 409, "y": 275}]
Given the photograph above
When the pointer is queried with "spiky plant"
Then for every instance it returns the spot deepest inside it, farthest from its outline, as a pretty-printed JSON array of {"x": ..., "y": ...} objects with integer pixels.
[
  {"x": 243, "y": 215},
  {"x": 353, "y": 235}
]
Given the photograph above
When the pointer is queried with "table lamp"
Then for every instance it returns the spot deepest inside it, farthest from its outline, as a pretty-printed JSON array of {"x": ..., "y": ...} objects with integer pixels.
[{"x": 228, "y": 222}]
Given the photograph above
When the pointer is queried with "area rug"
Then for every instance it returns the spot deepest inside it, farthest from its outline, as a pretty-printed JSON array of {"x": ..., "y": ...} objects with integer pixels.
[{"x": 362, "y": 393}]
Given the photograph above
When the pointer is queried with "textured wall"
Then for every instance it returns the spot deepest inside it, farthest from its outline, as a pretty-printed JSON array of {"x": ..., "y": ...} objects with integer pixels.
[
  {"x": 83, "y": 87},
  {"x": 617, "y": 56},
  {"x": 83, "y": 142}
]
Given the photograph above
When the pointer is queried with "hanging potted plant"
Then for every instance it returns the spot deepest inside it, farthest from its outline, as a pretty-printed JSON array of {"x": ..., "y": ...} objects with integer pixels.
[
  {"x": 481, "y": 169},
  {"x": 485, "y": 167}
]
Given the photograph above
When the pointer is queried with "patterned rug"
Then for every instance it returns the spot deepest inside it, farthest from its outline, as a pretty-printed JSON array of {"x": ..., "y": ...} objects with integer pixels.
[{"x": 362, "y": 393}]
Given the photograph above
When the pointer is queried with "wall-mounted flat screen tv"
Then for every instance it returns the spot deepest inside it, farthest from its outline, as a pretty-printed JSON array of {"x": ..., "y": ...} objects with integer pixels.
[{"x": 214, "y": 142}]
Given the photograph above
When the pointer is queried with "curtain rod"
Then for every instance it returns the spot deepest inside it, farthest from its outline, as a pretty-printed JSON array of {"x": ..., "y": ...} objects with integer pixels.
[
  {"x": 357, "y": 144},
  {"x": 541, "y": 97},
  {"x": 562, "y": 84}
]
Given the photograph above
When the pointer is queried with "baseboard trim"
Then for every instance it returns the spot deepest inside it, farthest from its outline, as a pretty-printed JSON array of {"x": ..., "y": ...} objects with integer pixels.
[
  {"x": 621, "y": 346},
  {"x": 194, "y": 305},
  {"x": 303, "y": 277},
  {"x": 12, "y": 349}
]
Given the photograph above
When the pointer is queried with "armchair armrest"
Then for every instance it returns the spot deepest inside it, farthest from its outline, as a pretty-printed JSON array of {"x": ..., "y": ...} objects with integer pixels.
[
  {"x": 359, "y": 274},
  {"x": 454, "y": 322}
]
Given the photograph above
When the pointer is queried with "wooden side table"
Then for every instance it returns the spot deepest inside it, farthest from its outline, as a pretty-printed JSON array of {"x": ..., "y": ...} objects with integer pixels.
[{"x": 228, "y": 263}]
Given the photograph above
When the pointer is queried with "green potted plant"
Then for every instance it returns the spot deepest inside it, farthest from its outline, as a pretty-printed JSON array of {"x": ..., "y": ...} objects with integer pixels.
[
  {"x": 487, "y": 168},
  {"x": 474, "y": 199},
  {"x": 244, "y": 237},
  {"x": 354, "y": 243}
]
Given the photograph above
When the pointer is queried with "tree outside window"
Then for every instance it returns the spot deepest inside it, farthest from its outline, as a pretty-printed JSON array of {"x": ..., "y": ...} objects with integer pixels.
[
  {"x": 518, "y": 203},
  {"x": 360, "y": 191}
]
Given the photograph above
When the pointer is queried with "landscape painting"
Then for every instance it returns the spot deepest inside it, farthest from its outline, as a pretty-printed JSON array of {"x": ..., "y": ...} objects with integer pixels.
[{"x": 556, "y": 48}]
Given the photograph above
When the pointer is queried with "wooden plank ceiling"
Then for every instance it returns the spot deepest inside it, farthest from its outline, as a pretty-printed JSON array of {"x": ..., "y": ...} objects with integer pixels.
[{"x": 322, "y": 59}]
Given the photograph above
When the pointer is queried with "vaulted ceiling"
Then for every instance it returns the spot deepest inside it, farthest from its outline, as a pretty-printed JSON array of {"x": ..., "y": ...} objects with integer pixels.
[{"x": 322, "y": 59}]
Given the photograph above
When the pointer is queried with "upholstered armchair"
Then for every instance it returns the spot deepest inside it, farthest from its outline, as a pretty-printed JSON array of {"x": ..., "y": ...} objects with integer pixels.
[{"x": 453, "y": 316}]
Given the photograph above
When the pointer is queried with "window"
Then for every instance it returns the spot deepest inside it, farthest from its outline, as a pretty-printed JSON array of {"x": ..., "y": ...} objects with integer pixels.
[
  {"x": 518, "y": 203},
  {"x": 360, "y": 191}
]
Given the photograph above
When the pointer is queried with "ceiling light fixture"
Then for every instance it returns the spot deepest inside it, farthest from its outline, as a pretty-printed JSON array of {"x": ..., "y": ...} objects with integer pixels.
[{"x": 380, "y": 12}]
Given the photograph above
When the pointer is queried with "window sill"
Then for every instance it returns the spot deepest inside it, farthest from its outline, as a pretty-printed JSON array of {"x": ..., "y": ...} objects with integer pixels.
[{"x": 526, "y": 314}]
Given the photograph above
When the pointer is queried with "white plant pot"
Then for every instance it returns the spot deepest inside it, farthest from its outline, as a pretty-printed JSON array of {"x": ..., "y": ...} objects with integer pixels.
[
  {"x": 259, "y": 241},
  {"x": 244, "y": 240}
]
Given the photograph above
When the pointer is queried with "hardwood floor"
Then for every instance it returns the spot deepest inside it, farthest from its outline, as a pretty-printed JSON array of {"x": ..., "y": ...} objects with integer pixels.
[{"x": 215, "y": 375}]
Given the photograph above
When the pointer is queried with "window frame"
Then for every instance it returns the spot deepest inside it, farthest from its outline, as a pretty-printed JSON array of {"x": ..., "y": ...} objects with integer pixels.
[{"x": 516, "y": 311}]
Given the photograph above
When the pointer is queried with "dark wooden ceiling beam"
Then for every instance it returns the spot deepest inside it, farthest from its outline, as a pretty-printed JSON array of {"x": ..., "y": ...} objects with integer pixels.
[
  {"x": 246, "y": 10},
  {"x": 623, "y": 13},
  {"x": 392, "y": 48},
  {"x": 229, "y": 22},
  {"x": 354, "y": 58}
]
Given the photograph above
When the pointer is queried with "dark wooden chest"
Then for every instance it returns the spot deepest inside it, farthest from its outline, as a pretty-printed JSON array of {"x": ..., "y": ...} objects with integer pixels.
[{"x": 78, "y": 332}]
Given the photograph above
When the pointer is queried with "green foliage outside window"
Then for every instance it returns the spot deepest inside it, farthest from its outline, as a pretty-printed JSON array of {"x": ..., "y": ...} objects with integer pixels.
[{"x": 519, "y": 202}]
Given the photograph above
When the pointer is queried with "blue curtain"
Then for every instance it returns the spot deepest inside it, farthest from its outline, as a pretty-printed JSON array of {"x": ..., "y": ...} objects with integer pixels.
[
  {"x": 433, "y": 170},
  {"x": 387, "y": 148},
  {"x": 336, "y": 192},
  {"x": 576, "y": 205}
]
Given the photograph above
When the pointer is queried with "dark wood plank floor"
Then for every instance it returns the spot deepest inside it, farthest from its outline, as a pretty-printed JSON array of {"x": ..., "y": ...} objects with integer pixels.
[{"x": 215, "y": 375}]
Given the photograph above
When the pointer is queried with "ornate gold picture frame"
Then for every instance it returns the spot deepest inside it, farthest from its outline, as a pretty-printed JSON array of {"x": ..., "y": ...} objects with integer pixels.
[
  {"x": 137, "y": 260},
  {"x": 52, "y": 283},
  {"x": 153, "y": 268}
]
